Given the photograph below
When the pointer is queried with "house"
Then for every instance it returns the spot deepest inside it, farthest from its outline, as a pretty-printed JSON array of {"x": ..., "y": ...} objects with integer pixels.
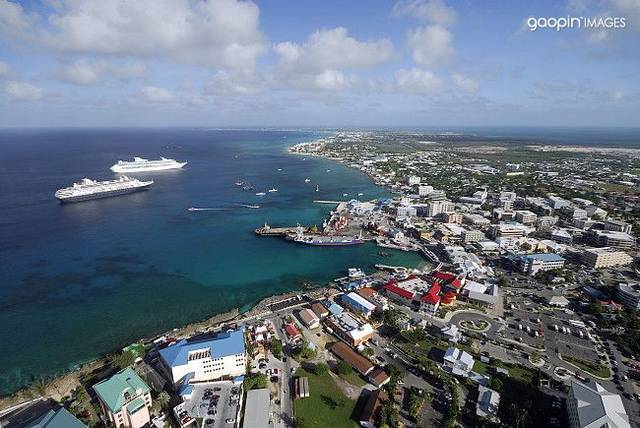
[
  {"x": 349, "y": 328},
  {"x": 379, "y": 378},
  {"x": 309, "y": 318},
  {"x": 205, "y": 359},
  {"x": 372, "y": 408},
  {"x": 125, "y": 399},
  {"x": 589, "y": 405},
  {"x": 319, "y": 310},
  {"x": 458, "y": 362},
  {"x": 451, "y": 333},
  {"x": 292, "y": 331},
  {"x": 487, "y": 403},
  {"x": 355, "y": 360}
]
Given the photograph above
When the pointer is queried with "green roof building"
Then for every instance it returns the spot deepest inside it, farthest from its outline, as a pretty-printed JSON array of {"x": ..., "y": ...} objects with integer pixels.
[{"x": 125, "y": 399}]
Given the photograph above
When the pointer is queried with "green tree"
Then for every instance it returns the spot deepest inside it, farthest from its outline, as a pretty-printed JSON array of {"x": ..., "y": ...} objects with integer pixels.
[
  {"x": 163, "y": 400},
  {"x": 276, "y": 348},
  {"x": 255, "y": 381},
  {"x": 123, "y": 360},
  {"x": 367, "y": 352},
  {"x": 496, "y": 384}
]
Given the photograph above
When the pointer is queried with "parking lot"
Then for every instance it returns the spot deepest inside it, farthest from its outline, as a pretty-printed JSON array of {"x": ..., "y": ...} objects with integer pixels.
[{"x": 215, "y": 402}]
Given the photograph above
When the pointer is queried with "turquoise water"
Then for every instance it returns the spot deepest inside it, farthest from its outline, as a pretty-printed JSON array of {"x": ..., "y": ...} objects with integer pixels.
[{"x": 82, "y": 279}]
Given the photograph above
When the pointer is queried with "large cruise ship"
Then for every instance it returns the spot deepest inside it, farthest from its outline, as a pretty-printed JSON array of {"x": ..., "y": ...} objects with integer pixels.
[
  {"x": 143, "y": 165},
  {"x": 89, "y": 189}
]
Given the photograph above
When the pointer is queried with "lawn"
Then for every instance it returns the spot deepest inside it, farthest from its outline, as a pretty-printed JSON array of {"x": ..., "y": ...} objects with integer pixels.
[
  {"x": 354, "y": 379},
  {"x": 595, "y": 369},
  {"x": 327, "y": 406}
]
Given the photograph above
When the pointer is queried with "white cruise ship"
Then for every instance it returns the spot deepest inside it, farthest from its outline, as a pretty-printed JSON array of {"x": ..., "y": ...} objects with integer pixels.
[
  {"x": 89, "y": 189},
  {"x": 143, "y": 165}
]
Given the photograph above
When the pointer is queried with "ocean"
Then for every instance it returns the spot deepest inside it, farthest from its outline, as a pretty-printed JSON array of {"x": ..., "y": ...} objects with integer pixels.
[{"x": 79, "y": 280}]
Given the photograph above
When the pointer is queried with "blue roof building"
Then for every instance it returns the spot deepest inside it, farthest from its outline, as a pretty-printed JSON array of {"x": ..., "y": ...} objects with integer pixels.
[
  {"x": 533, "y": 263},
  {"x": 206, "y": 359}
]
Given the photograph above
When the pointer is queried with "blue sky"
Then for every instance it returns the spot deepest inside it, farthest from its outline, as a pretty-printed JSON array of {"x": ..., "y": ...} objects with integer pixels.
[{"x": 310, "y": 63}]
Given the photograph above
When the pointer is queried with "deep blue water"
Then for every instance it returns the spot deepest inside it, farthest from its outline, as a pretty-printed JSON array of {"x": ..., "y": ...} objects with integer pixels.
[{"x": 78, "y": 280}]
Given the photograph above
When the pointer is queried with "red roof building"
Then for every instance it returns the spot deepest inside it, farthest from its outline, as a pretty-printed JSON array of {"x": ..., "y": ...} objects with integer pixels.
[
  {"x": 399, "y": 292},
  {"x": 448, "y": 298},
  {"x": 292, "y": 331}
]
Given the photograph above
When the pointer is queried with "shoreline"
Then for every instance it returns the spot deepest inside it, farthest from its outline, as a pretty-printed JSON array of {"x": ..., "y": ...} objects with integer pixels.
[{"x": 61, "y": 384}]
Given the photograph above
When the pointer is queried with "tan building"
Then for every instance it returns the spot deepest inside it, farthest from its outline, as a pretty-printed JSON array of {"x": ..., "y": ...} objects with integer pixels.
[
  {"x": 452, "y": 218},
  {"x": 605, "y": 257},
  {"x": 125, "y": 399},
  {"x": 309, "y": 318},
  {"x": 349, "y": 328}
]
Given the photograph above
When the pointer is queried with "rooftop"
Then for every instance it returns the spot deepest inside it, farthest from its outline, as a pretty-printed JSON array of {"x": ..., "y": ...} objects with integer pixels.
[
  {"x": 112, "y": 391},
  {"x": 222, "y": 345},
  {"x": 256, "y": 413},
  {"x": 598, "y": 407}
]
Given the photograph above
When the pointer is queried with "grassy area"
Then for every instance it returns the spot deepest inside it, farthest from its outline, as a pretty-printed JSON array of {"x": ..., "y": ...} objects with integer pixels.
[
  {"x": 595, "y": 369},
  {"x": 354, "y": 379},
  {"x": 326, "y": 406}
]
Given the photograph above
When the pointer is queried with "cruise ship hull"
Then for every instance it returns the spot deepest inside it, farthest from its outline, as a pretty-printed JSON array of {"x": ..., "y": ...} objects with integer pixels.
[
  {"x": 120, "y": 170},
  {"x": 102, "y": 195},
  {"x": 328, "y": 242}
]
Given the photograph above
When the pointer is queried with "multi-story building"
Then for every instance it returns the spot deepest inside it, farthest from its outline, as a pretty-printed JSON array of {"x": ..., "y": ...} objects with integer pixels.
[
  {"x": 617, "y": 226},
  {"x": 629, "y": 295},
  {"x": 358, "y": 304},
  {"x": 556, "y": 202},
  {"x": 125, "y": 399},
  {"x": 222, "y": 356},
  {"x": 424, "y": 190},
  {"x": 589, "y": 405},
  {"x": 531, "y": 264},
  {"x": 508, "y": 230},
  {"x": 473, "y": 236},
  {"x": 526, "y": 217},
  {"x": 610, "y": 238},
  {"x": 435, "y": 208},
  {"x": 455, "y": 218},
  {"x": 605, "y": 257},
  {"x": 413, "y": 180},
  {"x": 349, "y": 328},
  {"x": 430, "y": 301}
]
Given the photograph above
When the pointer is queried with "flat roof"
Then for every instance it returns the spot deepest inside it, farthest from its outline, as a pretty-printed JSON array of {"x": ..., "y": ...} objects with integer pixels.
[
  {"x": 222, "y": 345},
  {"x": 360, "y": 300},
  {"x": 256, "y": 410}
]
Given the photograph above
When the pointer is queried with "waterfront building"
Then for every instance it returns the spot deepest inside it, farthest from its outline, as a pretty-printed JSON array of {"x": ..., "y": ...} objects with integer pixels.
[
  {"x": 355, "y": 360},
  {"x": 319, "y": 310},
  {"x": 309, "y": 318},
  {"x": 125, "y": 399},
  {"x": 222, "y": 356},
  {"x": 605, "y": 257},
  {"x": 531, "y": 264},
  {"x": 358, "y": 304},
  {"x": 256, "y": 409},
  {"x": 458, "y": 362},
  {"x": 589, "y": 405},
  {"x": 349, "y": 328},
  {"x": 38, "y": 413},
  {"x": 629, "y": 295}
]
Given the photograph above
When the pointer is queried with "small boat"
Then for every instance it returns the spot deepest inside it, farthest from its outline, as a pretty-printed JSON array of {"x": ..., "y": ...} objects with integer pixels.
[
  {"x": 239, "y": 183},
  {"x": 272, "y": 190},
  {"x": 203, "y": 209},
  {"x": 253, "y": 207},
  {"x": 260, "y": 194},
  {"x": 279, "y": 169},
  {"x": 360, "y": 194},
  {"x": 328, "y": 170},
  {"x": 304, "y": 158},
  {"x": 248, "y": 187},
  {"x": 306, "y": 180},
  {"x": 345, "y": 194},
  {"x": 317, "y": 188}
]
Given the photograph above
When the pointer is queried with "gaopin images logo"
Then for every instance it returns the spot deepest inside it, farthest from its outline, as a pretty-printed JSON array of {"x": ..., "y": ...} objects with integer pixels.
[{"x": 576, "y": 22}]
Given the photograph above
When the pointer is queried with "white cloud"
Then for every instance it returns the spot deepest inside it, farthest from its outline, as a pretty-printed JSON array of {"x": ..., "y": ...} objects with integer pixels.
[
  {"x": 430, "y": 45},
  {"x": 331, "y": 80},
  {"x": 4, "y": 68},
  {"x": 332, "y": 50},
  {"x": 417, "y": 81},
  {"x": 22, "y": 91},
  {"x": 156, "y": 94},
  {"x": 13, "y": 19},
  {"x": 431, "y": 11},
  {"x": 83, "y": 72},
  {"x": 465, "y": 83},
  {"x": 221, "y": 33},
  {"x": 224, "y": 83}
]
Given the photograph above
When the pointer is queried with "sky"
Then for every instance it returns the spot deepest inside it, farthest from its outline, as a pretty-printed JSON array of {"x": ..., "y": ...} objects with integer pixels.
[{"x": 428, "y": 63}]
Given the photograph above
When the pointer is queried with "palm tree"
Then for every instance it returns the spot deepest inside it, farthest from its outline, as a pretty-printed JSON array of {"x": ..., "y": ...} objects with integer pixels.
[
  {"x": 163, "y": 399},
  {"x": 40, "y": 386}
]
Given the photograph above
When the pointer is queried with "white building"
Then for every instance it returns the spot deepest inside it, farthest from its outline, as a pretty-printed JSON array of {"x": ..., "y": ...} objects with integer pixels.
[
  {"x": 458, "y": 362},
  {"x": 487, "y": 403},
  {"x": 205, "y": 360},
  {"x": 589, "y": 405},
  {"x": 526, "y": 217},
  {"x": 413, "y": 180},
  {"x": 629, "y": 295}
]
